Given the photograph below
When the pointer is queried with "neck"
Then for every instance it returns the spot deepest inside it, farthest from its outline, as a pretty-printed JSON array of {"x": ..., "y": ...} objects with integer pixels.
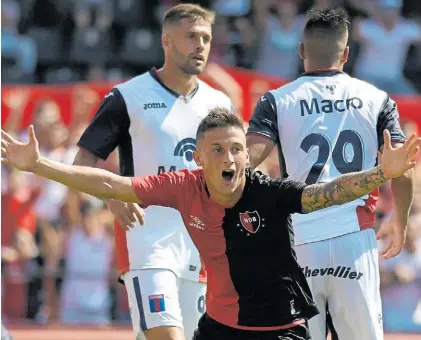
[
  {"x": 223, "y": 199},
  {"x": 309, "y": 68},
  {"x": 177, "y": 80}
]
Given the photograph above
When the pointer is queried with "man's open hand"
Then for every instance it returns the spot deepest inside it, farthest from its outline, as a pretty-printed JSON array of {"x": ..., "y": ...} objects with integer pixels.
[
  {"x": 23, "y": 156},
  {"x": 397, "y": 160}
]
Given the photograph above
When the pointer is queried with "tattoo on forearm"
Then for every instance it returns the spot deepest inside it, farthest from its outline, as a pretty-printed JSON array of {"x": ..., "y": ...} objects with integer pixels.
[{"x": 342, "y": 190}]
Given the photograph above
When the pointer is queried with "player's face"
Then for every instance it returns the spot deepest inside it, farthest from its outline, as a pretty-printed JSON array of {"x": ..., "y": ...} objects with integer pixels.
[
  {"x": 189, "y": 45},
  {"x": 223, "y": 156}
]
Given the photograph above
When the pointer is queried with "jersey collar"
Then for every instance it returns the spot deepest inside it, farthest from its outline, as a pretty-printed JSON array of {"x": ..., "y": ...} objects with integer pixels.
[
  {"x": 154, "y": 75},
  {"x": 324, "y": 72}
]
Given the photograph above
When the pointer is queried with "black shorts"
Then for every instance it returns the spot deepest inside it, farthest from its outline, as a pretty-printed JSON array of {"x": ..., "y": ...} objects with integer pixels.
[{"x": 210, "y": 329}]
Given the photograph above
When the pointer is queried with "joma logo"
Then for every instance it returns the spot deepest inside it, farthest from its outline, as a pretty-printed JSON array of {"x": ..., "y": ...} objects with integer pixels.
[{"x": 154, "y": 106}]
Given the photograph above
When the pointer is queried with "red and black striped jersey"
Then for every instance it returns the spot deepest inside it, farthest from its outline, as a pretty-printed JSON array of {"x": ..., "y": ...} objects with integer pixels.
[{"x": 254, "y": 280}]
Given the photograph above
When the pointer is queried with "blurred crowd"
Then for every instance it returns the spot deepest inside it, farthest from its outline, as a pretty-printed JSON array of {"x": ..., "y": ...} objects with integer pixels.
[
  {"x": 56, "y": 41},
  {"x": 57, "y": 244}
]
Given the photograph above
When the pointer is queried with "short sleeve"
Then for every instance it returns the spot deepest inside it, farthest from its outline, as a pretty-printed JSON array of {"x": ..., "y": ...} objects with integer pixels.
[
  {"x": 167, "y": 189},
  {"x": 389, "y": 119},
  {"x": 288, "y": 194},
  {"x": 108, "y": 127},
  {"x": 264, "y": 120}
]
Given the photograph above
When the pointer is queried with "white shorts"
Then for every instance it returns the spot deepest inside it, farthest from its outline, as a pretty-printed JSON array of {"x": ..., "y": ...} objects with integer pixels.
[
  {"x": 343, "y": 275},
  {"x": 157, "y": 297}
]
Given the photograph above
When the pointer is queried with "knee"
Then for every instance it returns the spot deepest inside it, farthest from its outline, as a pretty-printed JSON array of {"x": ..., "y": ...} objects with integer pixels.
[{"x": 162, "y": 333}]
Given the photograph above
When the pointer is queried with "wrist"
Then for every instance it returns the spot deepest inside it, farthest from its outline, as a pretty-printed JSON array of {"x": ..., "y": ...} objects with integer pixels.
[
  {"x": 38, "y": 166},
  {"x": 384, "y": 176}
]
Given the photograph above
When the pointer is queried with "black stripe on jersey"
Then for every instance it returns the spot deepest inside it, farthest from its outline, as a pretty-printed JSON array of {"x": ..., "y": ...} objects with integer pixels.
[
  {"x": 154, "y": 75},
  {"x": 264, "y": 121},
  {"x": 108, "y": 130},
  {"x": 389, "y": 119},
  {"x": 322, "y": 73}
]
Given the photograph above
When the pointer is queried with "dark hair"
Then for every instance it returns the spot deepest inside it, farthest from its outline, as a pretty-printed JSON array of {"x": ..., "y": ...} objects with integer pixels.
[
  {"x": 190, "y": 11},
  {"x": 219, "y": 117},
  {"x": 330, "y": 20}
]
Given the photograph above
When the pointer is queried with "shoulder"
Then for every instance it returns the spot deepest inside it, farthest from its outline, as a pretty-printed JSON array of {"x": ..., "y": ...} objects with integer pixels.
[
  {"x": 134, "y": 85},
  {"x": 218, "y": 97},
  {"x": 369, "y": 93}
]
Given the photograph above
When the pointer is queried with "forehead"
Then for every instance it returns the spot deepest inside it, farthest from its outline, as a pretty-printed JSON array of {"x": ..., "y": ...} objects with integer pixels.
[
  {"x": 224, "y": 136},
  {"x": 198, "y": 25}
]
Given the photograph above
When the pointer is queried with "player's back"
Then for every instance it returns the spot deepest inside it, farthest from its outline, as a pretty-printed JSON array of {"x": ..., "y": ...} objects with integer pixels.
[
  {"x": 330, "y": 124},
  {"x": 159, "y": 136}
]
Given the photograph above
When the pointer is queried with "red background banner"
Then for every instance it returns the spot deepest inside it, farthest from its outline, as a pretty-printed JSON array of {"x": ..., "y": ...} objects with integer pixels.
[{"x": 253, "y": 86}]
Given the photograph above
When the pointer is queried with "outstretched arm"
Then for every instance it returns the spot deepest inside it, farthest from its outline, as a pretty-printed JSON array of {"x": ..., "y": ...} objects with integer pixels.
[
  {"x": 96, "y": 182},
  {"x": 396, "y": 161},
  {"x": 342, "y": 190}
]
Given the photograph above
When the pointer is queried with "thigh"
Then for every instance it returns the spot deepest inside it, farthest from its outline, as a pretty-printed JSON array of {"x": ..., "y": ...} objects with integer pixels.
[
  {"x": 354, "y": 303},
  {"x": 153, "y": 296},
  {"x": 314, "y": 260},
  {"x": 192, "y": 303}
]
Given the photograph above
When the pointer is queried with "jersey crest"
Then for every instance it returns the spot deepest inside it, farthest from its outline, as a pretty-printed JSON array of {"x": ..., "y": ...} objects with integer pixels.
[{"x": 250, "y": 220}]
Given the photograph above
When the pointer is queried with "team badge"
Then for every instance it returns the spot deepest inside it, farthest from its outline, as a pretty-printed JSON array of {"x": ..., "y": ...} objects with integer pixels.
[
  {"x": 157, "y": 303},
  {"x": 250, "y": 220},
  {"x": 331, "y": 88}
]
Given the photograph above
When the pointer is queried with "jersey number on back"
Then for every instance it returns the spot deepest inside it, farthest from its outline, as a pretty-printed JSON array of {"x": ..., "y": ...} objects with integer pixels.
[{"x": 346, "y": 138}]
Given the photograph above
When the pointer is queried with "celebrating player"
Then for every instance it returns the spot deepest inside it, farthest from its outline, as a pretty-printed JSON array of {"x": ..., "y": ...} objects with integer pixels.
[
  {"x": 239, "y": 220},
  {"x": 153, "y": 119},
  {"x": 327, "y": 124}
]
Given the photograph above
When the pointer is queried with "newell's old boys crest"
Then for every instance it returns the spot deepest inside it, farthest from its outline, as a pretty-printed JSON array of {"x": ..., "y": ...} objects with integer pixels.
[{"x": 250, "y": 220}]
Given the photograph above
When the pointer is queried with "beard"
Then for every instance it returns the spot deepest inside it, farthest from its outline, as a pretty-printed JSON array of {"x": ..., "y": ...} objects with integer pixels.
[{"x": 187, "y": 65}]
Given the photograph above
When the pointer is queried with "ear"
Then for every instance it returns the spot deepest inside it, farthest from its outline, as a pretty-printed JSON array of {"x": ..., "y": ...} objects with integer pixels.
[
  {"x": 165, "y": 40},
  {"x": 344, "y": 58},
  {"x": 197, "y": 158},
  {"x": 301, "y": 50}
]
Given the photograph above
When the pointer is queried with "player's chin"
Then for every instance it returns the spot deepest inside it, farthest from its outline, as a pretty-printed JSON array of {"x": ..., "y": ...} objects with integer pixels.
[{"x": 196, "y": 68}]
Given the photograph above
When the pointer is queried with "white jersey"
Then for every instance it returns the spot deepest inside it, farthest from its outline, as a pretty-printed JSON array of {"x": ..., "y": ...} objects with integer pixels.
[
  {"x": 327, "y": 124},
  {"x": 154, "y": 130}
]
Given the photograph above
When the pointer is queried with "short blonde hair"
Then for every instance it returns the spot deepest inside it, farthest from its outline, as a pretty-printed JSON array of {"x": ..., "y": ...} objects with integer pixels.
[{"x": 189, "y": 11}]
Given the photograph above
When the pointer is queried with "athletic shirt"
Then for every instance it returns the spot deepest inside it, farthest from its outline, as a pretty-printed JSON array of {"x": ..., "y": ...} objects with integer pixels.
[
  {"x": 154, "y": 129},
  {"x": 327, "y": 124},
  {"x": 254, "y": 280}
]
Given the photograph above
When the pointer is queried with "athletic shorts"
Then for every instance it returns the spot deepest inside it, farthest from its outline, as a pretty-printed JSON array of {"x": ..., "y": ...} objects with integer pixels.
[
  {"x": 210, "y": 329},
  {"x": 157, "y": 297},
  {"x": 343, "y": 275}
]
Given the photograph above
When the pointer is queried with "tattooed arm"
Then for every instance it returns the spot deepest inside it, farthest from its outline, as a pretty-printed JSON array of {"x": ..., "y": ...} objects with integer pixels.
[{"x": 342, "y": 190}]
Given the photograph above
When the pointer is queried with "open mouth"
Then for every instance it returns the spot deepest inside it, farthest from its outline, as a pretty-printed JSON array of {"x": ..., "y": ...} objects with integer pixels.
[
  {"x": 228, "y": 175},
  {"x": 199, "y": 57}
]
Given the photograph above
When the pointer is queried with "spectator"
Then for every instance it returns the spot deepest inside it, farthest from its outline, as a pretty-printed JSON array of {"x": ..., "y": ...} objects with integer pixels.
[
  {"x": 20, "y": 50},
  {"x": 278, "y": 50},
  {"x": 17, "y": 242},
  {"x": 385, "y": 40},
  {"x": 100, "y": 9},
  {"x": 85, "y": 295}
]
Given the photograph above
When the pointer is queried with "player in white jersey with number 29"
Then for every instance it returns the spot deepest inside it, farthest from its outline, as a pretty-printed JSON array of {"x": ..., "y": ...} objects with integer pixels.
[
  {"x": 326, "y": 124},
  {"x": 153, "y": 119}
]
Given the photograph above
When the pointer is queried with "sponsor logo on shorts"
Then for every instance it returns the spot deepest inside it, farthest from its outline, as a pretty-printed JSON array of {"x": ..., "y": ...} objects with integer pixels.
[
  {"x": 339, "y": 271},
  {"x": 157, "y": 303}
]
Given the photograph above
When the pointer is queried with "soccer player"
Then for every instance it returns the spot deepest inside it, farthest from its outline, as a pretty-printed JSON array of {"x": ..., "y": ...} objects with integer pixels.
[
  {"x": 326, "y": 124},
  {"x": 239, "y": 220},
  {"x": 152, "y": 119}
]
